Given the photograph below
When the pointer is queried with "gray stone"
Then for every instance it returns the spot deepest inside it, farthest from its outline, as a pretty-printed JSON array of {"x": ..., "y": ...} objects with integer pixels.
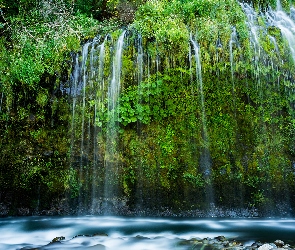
[{"x": 279, "y": 243}]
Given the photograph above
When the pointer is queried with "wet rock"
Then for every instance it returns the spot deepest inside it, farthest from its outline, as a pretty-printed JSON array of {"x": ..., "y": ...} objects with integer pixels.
[
  {"x": 100, "y": 234},
  {"x": 139, "y": 237},
  {"x": 58, "y": 239},
  {"x": 23, "y": 211},
  {"x": 279, "y": 243},
  {"x": 220, "y": 238},
  {"x": 256, "y": 244},
  {"x": 79, "y": 235},
  {"x": 3, "y": 210}
]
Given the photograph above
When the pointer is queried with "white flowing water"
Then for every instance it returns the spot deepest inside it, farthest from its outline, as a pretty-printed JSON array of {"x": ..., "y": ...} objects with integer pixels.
[
  {"x": 232, "y": 42},
  {"x": 140, "y": 67},
  {"x": 281, "y": 20},
  {"x": 111, "y": 156},
  {"x": 83, "y": 149},
  {"x": 254, "y": 29},
  {"x": 205, "y": 158},
  {"x": 89, "y": 84},
  {"x": 112, "y": 233},
  {"x": 99, "y": 92},
  {"x": 200, "y": 81},
  {"x": 139, "y": 60},
  {"x": 84, "y": 82},
  {"x": 74, "y": 93}
]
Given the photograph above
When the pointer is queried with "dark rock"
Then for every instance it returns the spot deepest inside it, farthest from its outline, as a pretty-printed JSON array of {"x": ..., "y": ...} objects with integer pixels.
[
  {"x": 23, "y": 211},
  {"x": 257, "y": 244},
  {"x": 220, "y": 238},
  {"x": 279, "y": 243},
  {"x": 58, "y": 239},
  {"x": 139, "y": 237},
  {"x": 100, "y": 234},
  {"x": 3, "y": 210}
]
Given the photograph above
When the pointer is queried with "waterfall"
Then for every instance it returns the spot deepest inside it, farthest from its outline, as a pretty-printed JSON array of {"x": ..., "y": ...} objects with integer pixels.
[
  {"x": 281, "y": 20},
  {"x": 96, "y": 152},
  {"x": 111, "y": 155},
  {"x": 205, "y": 158},
  {"x": 99, "y": 92},
  {"x": 254, "y": 31},
  {"x": 139, "y": 60},
  {"x": 74, "y": 90},
  {"x": 233, "y": 41},
  {"x": 274, "y": 83},
  {"x": 89, "y": 92},
  {"x": 200, "y": 81},
  {"x": 140, "y": 65}
]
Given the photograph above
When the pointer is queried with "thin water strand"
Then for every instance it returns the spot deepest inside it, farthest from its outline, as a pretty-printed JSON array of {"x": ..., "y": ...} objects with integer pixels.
[{"x": 111, "y": 163}]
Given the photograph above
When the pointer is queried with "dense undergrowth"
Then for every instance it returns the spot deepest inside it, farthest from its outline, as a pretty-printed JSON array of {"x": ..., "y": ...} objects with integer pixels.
[{"x": 164, "y": 148}]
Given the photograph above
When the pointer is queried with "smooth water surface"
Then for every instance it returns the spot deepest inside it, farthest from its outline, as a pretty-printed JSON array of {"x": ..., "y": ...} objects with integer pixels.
[{"x": 155, "y": 233}]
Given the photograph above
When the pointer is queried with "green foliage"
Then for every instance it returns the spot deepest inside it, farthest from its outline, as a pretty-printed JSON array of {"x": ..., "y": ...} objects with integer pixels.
[{"x": 241, "y": 122}]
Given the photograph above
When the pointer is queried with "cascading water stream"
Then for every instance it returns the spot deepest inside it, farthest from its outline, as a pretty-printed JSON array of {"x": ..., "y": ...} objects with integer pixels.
[
  {"x": 97, "y": 66},
  {"x": 233, "y": 41},
  {"x": 83, "y": 150},
  {"x": 139, "y": 62},
  {"x": 98, "y": 106},
  {"x": 205, "y": 158},
  {"x": 111, "y": 155},
  {"x": 281, "y": 20},
  {"x": 254, "y": 31},
  {"x": 74, "y": 90},
  {"x": 84, "y": 82}
]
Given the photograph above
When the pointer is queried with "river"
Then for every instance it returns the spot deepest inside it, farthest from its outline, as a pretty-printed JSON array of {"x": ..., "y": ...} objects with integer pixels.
[{"x": 110, "y": 232}]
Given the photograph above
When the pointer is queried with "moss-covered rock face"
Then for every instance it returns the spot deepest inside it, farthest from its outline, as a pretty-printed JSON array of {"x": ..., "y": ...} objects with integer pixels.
[{"x": 185, "y": 131}]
